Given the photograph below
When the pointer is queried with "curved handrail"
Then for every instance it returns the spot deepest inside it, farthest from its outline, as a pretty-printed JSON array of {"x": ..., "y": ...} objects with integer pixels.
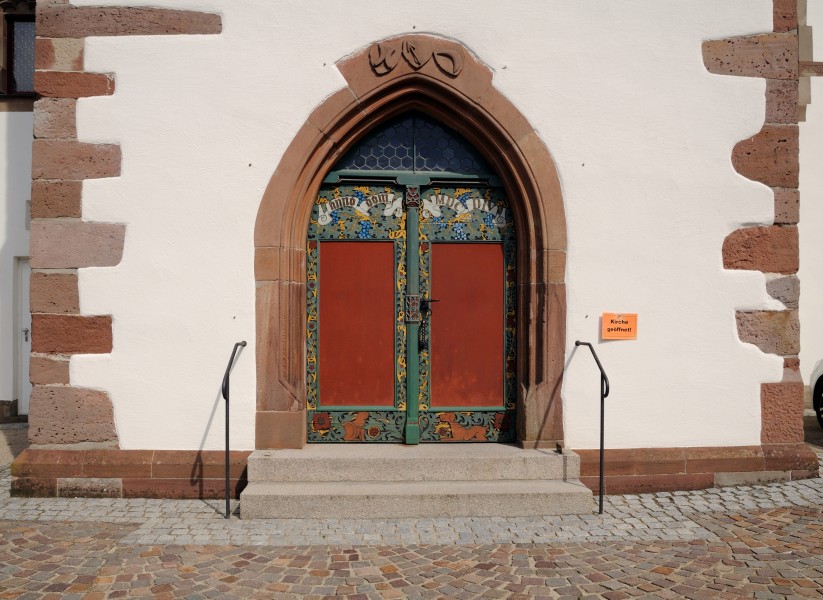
[
  {"x": 225, "y": 387},
  {"x": 599, "y": 366},
  {"x": 225, "y": 392},
  {"x": 604, "y": 391}
]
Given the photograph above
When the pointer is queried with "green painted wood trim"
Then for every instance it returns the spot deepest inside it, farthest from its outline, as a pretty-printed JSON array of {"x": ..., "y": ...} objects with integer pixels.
[{"x": 412, "y": 329}]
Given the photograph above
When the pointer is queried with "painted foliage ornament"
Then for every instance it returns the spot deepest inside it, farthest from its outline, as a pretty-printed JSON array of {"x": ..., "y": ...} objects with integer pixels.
[{"x": 384, "y": 56}]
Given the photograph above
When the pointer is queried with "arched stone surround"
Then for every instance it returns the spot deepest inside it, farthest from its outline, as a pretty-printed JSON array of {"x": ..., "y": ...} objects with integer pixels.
[{"x": 442, "y": 78}]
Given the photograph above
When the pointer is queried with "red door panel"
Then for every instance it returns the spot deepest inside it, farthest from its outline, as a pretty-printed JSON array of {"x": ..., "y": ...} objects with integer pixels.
[
  {"x": 467, "y": 325},
  {"x": 356, "y": 336}
]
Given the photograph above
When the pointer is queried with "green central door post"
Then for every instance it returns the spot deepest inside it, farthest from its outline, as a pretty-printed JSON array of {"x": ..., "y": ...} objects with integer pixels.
[{"x": 412, "y": 203}]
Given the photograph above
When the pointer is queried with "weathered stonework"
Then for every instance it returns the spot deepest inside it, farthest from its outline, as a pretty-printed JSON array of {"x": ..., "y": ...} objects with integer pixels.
[
  {"x": 786, "y": 206},
  {"x": 55, "y": 118},
  {"x": 782, "y": 408},
  {"x": 773, "y": 331},
  {"x": 68, "y": 159},
  {"x": 80, "y": 22},
  {"x": 785, "y": 289},
  {"x": 770, "y": 157},
  {"x": 73, "y": 84},
  {"x": 54, "y": 293},
  {"x": 768, "y": 249},
  {"x": 60, "y": 414},
  {"x": 49, "y": 370},
  {"x": 72, "y": 244},
  {"x": 70, "y": 415},
  {"x": 770, "y": 55},
  {"x": 70, "y": 334},
  {"x": 50, "y": 199}
]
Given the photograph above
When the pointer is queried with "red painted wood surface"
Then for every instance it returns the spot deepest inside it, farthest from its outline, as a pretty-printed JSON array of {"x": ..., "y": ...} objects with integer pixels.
[
  {"x": 356, "y": 315},
  {"x": 467, "y": 333}
]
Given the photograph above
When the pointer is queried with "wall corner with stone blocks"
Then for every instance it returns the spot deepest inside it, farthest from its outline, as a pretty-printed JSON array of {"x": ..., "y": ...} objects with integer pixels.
[
  {"x": 772, "y": 158},
  {"x": 61, "y": 241}
]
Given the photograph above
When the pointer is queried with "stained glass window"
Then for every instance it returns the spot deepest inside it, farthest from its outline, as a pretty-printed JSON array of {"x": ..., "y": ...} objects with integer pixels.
[{"x": 414, "y": 142}]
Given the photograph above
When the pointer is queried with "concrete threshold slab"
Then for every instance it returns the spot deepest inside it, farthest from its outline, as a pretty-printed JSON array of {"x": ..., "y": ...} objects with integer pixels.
[{"x": 402, "y": 499}]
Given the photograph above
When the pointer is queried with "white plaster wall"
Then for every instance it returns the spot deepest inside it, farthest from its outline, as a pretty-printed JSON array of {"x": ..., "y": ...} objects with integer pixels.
[
  {"x": 642, "y": 135},
  {"x": 15, "y": 192},
  {"x": 811, "y": 216}
]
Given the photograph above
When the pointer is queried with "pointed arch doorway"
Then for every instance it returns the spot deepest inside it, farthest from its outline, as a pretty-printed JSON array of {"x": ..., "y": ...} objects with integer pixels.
[
  {"x": 447, "y": 82},
  {"x": 411, "y": 293}
]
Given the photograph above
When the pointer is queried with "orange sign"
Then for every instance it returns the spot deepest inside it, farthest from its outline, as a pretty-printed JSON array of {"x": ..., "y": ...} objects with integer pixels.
[{"x": 618, "y": 326}]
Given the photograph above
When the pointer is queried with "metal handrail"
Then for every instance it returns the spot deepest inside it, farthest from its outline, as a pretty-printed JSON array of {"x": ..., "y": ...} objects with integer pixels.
[
  {"x": 225, "y": 391},
  {"x": 604, "y": 391}
]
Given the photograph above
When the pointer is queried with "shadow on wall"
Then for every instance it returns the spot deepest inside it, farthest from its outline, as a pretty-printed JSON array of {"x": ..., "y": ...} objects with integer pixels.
[
  {"x": 208, "y": 469},
  {"x": 14, "y": 438}
]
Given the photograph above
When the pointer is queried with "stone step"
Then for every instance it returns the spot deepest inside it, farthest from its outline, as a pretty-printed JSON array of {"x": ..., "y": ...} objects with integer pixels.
[
  {"x": 424, "y": 462},
  {"x": 417, "y": 499}
]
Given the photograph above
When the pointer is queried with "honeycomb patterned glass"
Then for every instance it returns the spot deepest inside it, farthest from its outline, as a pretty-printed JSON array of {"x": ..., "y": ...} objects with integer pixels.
[
  {"x": 414, "y": 142},
  {"x": 23, "y": 53}
]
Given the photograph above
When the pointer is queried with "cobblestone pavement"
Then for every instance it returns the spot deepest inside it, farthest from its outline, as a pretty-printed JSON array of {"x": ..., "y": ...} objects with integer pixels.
[{"x": 762, "y": 541}]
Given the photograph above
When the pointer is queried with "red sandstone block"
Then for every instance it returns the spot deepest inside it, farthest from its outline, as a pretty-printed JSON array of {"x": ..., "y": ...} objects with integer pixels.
[
  {"x": 208, "y": 464},
  {"x": 74, "y": 244},
  {"x": 50, "y": 199},
  {"x": 54, "y": 293},
  {"x": 660, "y": 461},
  {"x": 33, "y": 488},
  {"x": 36, "y": 463},
  {"x": 71, "y": 334},
  {"x": 781, "y": 406},
  {"x": 58, "y": 54},
  {"x": 55, "y": 118},
  {"x": 786, "y": 206},
  {"x": 770, "y": 55},
  {"x": 118, "y": 463},
  {"x": 781, "y": 101},
  {"x": 732, "y": 459},
  {"x": 73, "y": 84},
  {"x": 789, "y": 457},
  {"x": 69, "y": 415},
  {"x": 79, "y": 22},
  {"x": 771, "y": 249},
  {"x": 617, "y": 461},
  {"x": 67, "y": 159},
  {"x": 773, "y": 331},
  {"x": 48, "y": 371},
  {"x": 770, "y": 157},
  {"x": 785, "y": 15},
  {"x": 642, "y": 484},
  {"x": 181, "y": 488}
]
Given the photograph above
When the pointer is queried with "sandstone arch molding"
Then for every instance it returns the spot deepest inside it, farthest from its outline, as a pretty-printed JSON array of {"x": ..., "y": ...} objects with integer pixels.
[{"x": 444, "y": 79}]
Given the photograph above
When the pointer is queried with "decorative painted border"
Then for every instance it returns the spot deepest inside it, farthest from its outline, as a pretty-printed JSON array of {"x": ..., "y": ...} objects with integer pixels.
[{"x": 338, "y": 215}]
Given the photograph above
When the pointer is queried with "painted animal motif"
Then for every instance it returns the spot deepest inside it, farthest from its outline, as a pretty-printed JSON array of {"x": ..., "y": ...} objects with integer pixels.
[
  {"x": 353, "y": 430},
  {"x": 459, "y": 433}
]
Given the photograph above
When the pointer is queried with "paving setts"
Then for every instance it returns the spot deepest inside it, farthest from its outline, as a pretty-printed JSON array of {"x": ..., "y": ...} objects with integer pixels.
[
  {"x": 760, "y": 541},
  {"x": 660, "y": 516}
]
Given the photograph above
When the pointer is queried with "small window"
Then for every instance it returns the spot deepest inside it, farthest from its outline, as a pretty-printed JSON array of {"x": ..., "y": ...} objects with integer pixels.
[{"x": 17, "y": 70}]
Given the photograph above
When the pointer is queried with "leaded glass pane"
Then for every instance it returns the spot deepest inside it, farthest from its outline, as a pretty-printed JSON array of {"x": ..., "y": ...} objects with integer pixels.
[
  {"x": 438, "y": 148},
  {"x": 414, "y": 142},
  {"x": 388, "y": 148},
  {"x": 23, "y": 56}
]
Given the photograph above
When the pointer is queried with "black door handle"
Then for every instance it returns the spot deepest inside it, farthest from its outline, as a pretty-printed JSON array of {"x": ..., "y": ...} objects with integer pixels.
[{"x": 425, "y": 304}]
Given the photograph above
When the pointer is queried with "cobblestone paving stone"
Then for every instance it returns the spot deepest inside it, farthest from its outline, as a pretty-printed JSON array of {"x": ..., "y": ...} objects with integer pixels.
[{"x": 763, "y": 541}]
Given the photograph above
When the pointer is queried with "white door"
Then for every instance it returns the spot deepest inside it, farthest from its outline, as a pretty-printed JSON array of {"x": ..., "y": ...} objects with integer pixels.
[{"x": 23, "y": 336}]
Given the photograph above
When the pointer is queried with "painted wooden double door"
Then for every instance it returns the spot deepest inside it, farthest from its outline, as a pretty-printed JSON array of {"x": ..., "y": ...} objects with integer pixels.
[{"x": 410, "y": 315}]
